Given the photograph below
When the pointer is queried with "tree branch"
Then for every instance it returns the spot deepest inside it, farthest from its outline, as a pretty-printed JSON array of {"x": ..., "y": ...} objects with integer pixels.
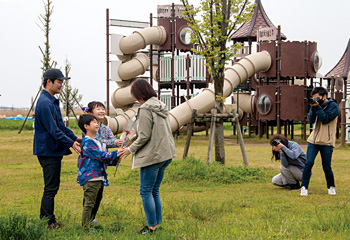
[{"x": 234, "y": 25}]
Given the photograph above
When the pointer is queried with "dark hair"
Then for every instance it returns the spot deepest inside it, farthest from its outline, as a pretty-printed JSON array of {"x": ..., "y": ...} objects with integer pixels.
[
  {"x": 85, "y": 119},
  {"x": 45, "y": 82},
  {"x": 320, "y": 90},
  {"x": 94, "y": 104},
  {"x": 142, "y": 90},
  {"x": 281, "y": 139}
]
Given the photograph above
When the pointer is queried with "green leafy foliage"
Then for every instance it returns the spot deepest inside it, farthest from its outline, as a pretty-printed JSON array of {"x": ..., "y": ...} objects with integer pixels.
[{"x": 212, "y": 23}]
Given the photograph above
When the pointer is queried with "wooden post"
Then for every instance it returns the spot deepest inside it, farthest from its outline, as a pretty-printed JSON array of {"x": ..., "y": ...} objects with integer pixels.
[
  {"x": 107, "y": 62},
  {"x": 240, "y": 138},
  {"x": 30, "y": 109},
  {"x": 151, "y": 53},
  {"x": 343, "y": 121},
  {"x": 278, "y": 88},
  {"x": 211, "y": 136},
  {"x": 189, "y": 133}
]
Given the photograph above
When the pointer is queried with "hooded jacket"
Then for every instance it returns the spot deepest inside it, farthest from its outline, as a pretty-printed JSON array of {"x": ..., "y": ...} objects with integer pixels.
[
  {"x": 154, "y": 142},
  {"x": 325, "y": 119}
]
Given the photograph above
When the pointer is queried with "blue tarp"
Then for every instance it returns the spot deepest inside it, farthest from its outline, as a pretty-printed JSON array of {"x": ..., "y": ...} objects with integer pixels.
[{"x": 20, "y": 118}]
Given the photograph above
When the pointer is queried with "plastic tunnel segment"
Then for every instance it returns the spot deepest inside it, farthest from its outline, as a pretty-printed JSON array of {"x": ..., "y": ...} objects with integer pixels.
[
  {"x": 118, "y": 123},
  {"x": 205, "y": 101},
  {"x": 136, "y": 66},
  {"x": 245, "y": 102},
  {"x": 140, "y": 39},
  {"x": 181, "y": 115},
  {"x": 122, "y": 97}
]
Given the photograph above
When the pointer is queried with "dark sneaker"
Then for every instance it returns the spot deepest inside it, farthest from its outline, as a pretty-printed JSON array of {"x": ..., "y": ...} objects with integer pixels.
[
  {"x": 295, "y": 186},
  {"x": 54, "y": 226},
  {"x": 146, "y": 230}
]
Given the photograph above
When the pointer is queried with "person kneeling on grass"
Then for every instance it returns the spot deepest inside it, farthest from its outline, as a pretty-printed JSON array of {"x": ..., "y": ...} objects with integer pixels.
[
  {"x": 92, "y": 166},
  {"x": 293, "y": 160}
]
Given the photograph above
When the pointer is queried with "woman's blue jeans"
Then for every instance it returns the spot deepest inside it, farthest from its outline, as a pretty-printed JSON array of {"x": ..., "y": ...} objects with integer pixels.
[
  {"x": 326, "y": 156},
  {"x": 150, "y": 179}
]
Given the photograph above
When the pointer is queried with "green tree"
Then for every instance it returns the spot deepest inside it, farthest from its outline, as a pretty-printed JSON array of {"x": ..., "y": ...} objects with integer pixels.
[{"x": 211, "y": 32}]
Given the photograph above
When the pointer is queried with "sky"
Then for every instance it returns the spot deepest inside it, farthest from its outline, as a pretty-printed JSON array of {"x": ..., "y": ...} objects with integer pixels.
[{"x": 78, "y": 33}]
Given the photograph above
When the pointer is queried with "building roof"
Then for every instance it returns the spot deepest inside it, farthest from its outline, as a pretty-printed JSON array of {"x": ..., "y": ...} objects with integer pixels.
[
  {"x": 249, "y": 29},
  {"x": 343, "y": 66}
]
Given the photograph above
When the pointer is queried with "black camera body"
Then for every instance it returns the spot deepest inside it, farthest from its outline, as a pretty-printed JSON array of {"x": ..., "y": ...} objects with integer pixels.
[
  {"x": 313, "y": 100},
  {"x": 275, "y": 142}
]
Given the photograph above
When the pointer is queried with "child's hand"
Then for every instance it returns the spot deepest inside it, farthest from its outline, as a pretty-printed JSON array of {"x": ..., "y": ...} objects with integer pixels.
[
  {"x": 123, "y": 152},
  {"x": 118, "y": 142}
]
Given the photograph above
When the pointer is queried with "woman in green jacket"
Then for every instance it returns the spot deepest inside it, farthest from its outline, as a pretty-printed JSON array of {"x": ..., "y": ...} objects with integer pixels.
[{"x": 152, "y": 150}]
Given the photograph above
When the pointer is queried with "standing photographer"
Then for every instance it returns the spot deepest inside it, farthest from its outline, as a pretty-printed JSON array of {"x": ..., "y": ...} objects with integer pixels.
[
  {"x": 292, "y": 162},
  {"x": 323, "y": 113}
]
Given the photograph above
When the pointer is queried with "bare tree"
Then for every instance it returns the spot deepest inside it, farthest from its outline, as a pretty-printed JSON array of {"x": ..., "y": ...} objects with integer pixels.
[
  {"x": 69, "y": 97},
  {"x": 45, "y": 20}
]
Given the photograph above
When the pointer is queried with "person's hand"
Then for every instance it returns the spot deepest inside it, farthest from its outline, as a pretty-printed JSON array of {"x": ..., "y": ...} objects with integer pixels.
[
  {"x": 76, "y": 147},
  {"x": 118, "y": 142},
  {"x": 315, "y": 104},
  {"x": 123, "y": 152},
  {"x": 278, "y": 148},
  {"x": 79, "y": 140}
]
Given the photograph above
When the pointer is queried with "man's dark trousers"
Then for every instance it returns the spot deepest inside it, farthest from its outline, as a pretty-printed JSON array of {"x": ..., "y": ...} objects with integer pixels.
[{"x": 52, "y": 173}]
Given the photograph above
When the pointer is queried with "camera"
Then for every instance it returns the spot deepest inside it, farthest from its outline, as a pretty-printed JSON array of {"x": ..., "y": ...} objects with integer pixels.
[
  {"x": 275, "y": 142},
  {"x": 313, "y": 100}
]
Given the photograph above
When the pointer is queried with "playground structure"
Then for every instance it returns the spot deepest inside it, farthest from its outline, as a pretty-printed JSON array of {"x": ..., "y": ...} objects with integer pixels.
[{"x": 271, "y": 85}]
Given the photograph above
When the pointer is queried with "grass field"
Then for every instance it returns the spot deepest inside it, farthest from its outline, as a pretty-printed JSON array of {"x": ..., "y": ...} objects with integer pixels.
[{"x": 199, "y": 202}]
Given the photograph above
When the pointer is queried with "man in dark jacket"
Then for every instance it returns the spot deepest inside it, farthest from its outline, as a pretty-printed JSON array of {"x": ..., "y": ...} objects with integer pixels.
[
  {"x": 52, "y": 141},
  {"x": 324, "y": 114}
]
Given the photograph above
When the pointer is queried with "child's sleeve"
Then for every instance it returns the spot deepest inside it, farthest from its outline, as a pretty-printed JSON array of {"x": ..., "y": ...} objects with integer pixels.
[
  {"x": 92, "y": 151},
  {"x": 108, "y": 138}
]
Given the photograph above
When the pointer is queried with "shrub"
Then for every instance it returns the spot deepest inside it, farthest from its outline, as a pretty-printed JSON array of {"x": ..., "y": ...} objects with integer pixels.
[
  {"x": 6, "y": 124},
  {"x": 196, "y": 172},
  {"x": 191, "y": 169},
  {"x": 19, "y": 227}
]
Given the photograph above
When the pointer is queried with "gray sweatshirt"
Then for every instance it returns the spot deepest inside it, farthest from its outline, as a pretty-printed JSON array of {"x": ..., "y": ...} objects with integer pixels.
[{"x": 293, "y": 155}]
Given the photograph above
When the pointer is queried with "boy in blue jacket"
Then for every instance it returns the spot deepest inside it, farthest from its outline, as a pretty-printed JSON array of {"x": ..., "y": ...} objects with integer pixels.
[{"x": 92, "y": 165}]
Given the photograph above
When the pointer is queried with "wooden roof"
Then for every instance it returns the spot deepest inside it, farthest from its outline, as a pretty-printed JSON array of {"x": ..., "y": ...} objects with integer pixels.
[
  {"x": 343, "y": 66},
  {"x": 248, "y": 30}
]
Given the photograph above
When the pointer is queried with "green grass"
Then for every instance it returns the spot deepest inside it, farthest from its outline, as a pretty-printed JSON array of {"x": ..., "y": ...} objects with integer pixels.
[
  {"x": 199, "y": 202},
  {"x": 6, "y": 124}
]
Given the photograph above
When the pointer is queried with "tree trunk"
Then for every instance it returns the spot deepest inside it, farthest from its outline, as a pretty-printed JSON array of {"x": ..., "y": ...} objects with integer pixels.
[
  {"x": 219, "y": 143},
  {"x": 219, "y": 105}
]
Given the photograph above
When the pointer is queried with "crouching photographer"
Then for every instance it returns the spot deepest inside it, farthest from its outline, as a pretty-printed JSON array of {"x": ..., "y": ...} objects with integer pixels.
[{"x": 292, "y": 159}]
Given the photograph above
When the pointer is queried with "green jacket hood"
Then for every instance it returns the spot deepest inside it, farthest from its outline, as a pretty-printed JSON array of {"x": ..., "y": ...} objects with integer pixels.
[{"x": 156, "y": 106}]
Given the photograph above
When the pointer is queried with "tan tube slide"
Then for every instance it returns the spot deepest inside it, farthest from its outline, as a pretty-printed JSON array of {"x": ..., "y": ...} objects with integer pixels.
[
  {"x": 132, "y": 66},
  {"x": 234, "y": 76},
  {"x": 204, "y": 101}
]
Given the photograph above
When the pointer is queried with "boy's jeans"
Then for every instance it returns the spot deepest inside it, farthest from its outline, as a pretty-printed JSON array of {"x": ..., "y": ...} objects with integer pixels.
[
  {"x": 52, "y": 173},
  {"x": 326, "y": 155},
  {"x": 150, "y": 179}
]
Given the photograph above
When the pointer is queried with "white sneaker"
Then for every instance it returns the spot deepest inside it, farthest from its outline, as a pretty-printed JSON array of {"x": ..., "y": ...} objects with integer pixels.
[
  {"x": 303, "y": 191},
  {"x": 331, "y": 191}
]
